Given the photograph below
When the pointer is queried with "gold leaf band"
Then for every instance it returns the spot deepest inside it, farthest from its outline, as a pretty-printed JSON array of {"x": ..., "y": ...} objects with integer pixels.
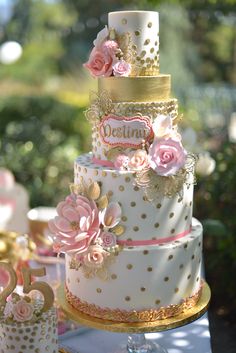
[
  {"x": 132, "y": 315},
  {"x": 136, "y": 89}
]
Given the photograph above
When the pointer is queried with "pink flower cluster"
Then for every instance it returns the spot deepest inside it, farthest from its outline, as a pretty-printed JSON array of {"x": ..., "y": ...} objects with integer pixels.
[
  {"x": 81, "y": 229},
  {"x": 19, "y": 310},
  {"x": 165, "y": 156},
  {"x": 103, "y": 60}
]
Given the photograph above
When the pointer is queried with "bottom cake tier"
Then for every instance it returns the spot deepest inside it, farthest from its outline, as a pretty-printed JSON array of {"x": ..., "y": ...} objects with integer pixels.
[{"x": 144, "y": 283}]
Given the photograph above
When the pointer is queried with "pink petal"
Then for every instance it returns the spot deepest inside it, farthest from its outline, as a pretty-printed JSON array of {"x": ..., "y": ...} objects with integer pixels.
[
  {"x": 62, "y": 224},
  {"x": 113, "y": 214},
  {"x": 60, "y": 207},
  {"x": 70, "y": 214}
]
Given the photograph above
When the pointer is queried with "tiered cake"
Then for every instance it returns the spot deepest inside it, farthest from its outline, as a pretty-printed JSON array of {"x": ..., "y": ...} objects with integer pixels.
[{"x": 133, "y": 251}]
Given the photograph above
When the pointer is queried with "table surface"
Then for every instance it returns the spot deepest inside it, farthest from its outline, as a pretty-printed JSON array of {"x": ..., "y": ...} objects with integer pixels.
[{"x": 192, "y": 338}]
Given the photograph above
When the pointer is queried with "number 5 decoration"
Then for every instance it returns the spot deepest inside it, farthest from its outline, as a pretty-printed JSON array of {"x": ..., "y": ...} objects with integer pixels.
[{"x": 40, "y": 286}]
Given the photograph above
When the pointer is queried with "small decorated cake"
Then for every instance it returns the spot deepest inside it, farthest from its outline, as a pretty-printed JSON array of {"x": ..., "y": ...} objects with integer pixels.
[
  {"x": 133, "y": 250},
  {"x": 27, "y": 325}
]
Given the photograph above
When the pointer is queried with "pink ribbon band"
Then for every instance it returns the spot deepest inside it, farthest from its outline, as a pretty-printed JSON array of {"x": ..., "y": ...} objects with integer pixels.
[
  {"x": 103, "y": 162},
  {"x": 153, "y": 241}
]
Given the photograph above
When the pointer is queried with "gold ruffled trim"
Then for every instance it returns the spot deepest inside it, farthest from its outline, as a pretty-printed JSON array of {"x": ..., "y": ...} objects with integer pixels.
[
  {"x": 136, "y": 89},
  {"x": 133, "y": 315}
]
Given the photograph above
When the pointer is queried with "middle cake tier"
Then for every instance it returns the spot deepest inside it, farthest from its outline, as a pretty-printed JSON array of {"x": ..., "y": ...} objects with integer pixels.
[{"x": 155, "y": 218}]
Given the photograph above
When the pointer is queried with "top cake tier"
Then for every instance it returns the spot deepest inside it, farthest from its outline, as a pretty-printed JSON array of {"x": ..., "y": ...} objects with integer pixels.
[
  {"x": 141, "y": 28},
  {"x": 127, "y": 47}
]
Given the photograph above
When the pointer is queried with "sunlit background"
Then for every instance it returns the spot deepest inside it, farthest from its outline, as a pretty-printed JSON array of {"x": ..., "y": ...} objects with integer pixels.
[{"x": 44, "y": 91}]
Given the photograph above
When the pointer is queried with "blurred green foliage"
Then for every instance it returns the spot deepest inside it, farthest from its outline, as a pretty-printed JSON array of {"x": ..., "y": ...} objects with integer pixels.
[{"x": 40, "y": 138}]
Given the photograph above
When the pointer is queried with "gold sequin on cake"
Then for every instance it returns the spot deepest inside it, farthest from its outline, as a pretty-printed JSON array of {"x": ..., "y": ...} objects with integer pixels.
[
  {"x": 132, "y": 204},
  {"x": 129, "y": 266}
]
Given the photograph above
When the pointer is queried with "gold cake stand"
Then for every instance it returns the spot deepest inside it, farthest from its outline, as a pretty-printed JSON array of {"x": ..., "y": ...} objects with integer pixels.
[{"x": 137, "y": 328}]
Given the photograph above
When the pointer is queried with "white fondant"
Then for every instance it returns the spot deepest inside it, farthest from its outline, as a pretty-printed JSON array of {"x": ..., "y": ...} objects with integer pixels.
[
  {"x": 143, "y": 27},
  {"x": 179, "y": 262},
  {"x": 37, "y": 337},
  {"x": 160, "y": 219}
]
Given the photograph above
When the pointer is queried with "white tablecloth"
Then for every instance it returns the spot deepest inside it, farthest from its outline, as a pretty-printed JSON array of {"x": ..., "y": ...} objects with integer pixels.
[{"x": 192, "y": 338}]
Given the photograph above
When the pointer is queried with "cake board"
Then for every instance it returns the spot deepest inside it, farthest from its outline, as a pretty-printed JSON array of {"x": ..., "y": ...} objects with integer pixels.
[{"x": 139, "y": 328}]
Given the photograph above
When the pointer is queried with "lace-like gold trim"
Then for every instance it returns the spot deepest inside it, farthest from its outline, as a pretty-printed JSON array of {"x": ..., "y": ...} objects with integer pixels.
[{"x": 133, "y": 315}]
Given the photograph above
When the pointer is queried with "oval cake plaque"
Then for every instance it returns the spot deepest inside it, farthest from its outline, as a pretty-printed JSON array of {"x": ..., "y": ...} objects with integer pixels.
[{"x": 120, "y": 131}]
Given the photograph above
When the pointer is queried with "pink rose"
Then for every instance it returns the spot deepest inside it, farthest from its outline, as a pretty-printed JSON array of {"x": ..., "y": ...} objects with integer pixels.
[
  {"x": 167, "y": 156},
  {"x": 108, "y": 239},
  {"x": 22, "y": 311},
  {"x": 102, "y": 59},
  {"x": 76, "y": 225},
  {"x": 121, "y": 162},
  {"x": 95, "y": 256},
  {"x": 121, "y": 68},
  {"x": 138, "y": 160}
]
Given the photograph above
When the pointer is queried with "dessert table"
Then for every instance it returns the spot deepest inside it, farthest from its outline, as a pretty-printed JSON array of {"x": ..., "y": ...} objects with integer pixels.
[{"x": 192, "y": 338}]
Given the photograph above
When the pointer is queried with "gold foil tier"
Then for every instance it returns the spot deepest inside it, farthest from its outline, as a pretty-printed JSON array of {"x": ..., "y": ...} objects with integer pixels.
[{"x": 136, "y": 89}]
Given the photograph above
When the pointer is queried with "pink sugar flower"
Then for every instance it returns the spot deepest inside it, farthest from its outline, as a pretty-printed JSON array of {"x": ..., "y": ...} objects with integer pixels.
[
  {"x": 138, "y": 160},
  {"x": 76, "y": 225},
  {"x": 167, "y": 156},
  {"x": 121, "y": 162},
  {"x": 22, "y": 311},
  {"x": 95, "y": 256},
  {"x": 121, "y": 68},
  {"x": 108, "y": 239}
]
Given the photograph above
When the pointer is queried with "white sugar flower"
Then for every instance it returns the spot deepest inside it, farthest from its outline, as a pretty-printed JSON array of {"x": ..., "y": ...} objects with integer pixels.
[
  {"x": 205, "y": 164},
  {"x": 101, "y": 37}
]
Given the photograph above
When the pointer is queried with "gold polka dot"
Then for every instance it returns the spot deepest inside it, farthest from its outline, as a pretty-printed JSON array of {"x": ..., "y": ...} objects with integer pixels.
[
  {"x": 99, "y": 290},
  {"x": 149, "y": 24},
  {"x": 176, "y": 290},
  {"x": 157, "y": 301},
  {"x": 186, "y": 217},
  {"x": 136, "y": 188},
  {"x": 180, "y": 199},
  {"x": 127, "y": 179},
  {"x": 124, "y": 218},
  {"x": 85, "y": 170},
  {"x": 143, "y": 216},
  {"x": 190, "y": 204},
  {"x": 158, "y": 205},
  {"x": 121, "y": 188},
  {"x": 199, "y": 244},
  {"x": 185, "y": 246},
  {"x": 145, "y": 198},
  {"x": 142, "y": 289},
  {"x": 171, "y": 215},
  {"x": 156, "y": 225},
  {"x": 129, "y": 266},
  {"x": 149, "y": 269},
  {"x": 137, "y": 58},
  {"x": 132, "y": 204},
  {"x": 172, "y": 230},
  {"x": 193, "y": 257},
  {"x": 152, "y": 50},
  {"x": 136, "y": 228},
  {"x": 145, "y": 252},
  {"x": 166, "y": 279},
  {"x": 137, "y": 33},
  {"x": 170, "y": 257},
  {"x": 129, "y": 239},
  {"x": 147, "y": 41},
  {"x": 104, "y": 174},
  {"x": 114, "y": 175},
  {"x": 142, "y": 62},
  {"x": 110, "y": 193},
  {"x": 181, "y": 266},
  {"x": 189, "y": 276},
  {"x": 113, "y": 276},
  {"x": 127, "y": 298},
  {"x": 143, "y": 53},
  {"x": 134, "y": 46},
  {"x": 156, "y": 42},
  {"x": 197, "y": 279},
  {"x": 124, "y": 21},
  {"x": 148, "y": 60}
]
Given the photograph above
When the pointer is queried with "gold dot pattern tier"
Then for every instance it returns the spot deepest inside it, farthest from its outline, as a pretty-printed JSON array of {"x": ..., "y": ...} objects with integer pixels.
[{"x": 40, "y": 337}]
